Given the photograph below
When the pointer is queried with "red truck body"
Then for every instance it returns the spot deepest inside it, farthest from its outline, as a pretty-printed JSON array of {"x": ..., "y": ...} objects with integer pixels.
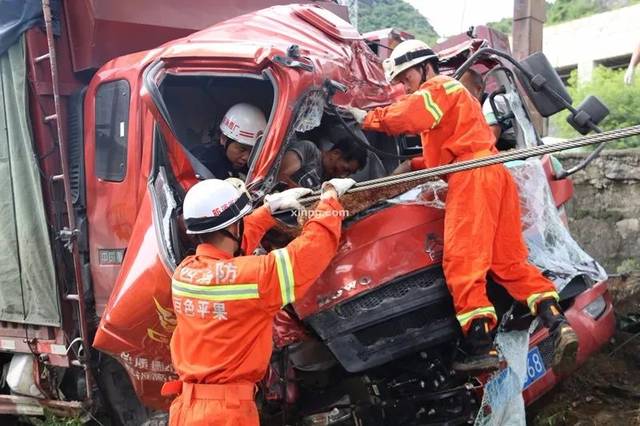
[{"x": 131, "y": 238}]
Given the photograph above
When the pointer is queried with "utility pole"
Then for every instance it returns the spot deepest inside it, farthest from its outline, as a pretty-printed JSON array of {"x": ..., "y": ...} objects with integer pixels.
[
  {"x": 528, "y": 22},
  {"x": 352, "y": 5}
]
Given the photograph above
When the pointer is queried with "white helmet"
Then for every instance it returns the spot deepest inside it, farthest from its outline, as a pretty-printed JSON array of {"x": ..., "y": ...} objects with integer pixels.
[
  {"x": 407, "y": 54},
  {"x": 214, "y": 204},
  {"x": 244, "y": 123}
]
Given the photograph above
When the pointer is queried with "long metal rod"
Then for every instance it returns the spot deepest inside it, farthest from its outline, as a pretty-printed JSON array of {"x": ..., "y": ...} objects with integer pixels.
[
  {"x": 62, "y": 145},
  {"x": 504, "y": 157}
]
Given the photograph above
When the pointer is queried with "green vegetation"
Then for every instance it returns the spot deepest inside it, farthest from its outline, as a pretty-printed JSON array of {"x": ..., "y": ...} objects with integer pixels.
[
  {"x": 567, "y": 10},
  {"x": 623, "y": 103},
  {"x": 628, "y": 266},
  {"x": 50, "y": 419},
  {"x": 505, "y": 25},
  {"x": 378, "y": 14}
]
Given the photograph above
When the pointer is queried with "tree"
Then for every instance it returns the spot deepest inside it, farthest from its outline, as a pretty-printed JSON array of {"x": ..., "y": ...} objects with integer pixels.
[
  {"x": 567, "y": 10},
  {"x": 377, "y": 14},
  {"x": 505, "y": 25},
  {"x": 623, "y": 102}
]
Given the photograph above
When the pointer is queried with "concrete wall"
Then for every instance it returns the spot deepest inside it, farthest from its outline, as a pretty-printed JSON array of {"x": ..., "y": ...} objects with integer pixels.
[
  {"x": 604, "y": 215},
  {"x": 585, "y": 41}
]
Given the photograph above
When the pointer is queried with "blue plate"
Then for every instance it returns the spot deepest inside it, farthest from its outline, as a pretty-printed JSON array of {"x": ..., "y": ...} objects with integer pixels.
[{"x": 535, "y": 367}]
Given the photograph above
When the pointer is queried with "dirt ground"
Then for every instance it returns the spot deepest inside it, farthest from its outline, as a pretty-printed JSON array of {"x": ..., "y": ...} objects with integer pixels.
[{"x": 606, "y": 390}]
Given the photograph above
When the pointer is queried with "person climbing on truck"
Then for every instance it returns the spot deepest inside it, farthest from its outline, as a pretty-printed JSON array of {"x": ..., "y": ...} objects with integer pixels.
[
  {"x": 225, "y": 302},
  {"x": 240, "y": 129},
  {"x": 482, "y": 232}
]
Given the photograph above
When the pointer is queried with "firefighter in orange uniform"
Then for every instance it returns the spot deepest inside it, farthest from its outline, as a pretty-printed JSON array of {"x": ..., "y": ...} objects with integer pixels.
[
  {"x": 225, "y": 301},
  {"x": 482, "y": 230}
]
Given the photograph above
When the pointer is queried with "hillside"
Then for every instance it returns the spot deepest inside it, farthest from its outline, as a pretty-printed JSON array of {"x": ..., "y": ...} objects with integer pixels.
[
  {"x": 378, "y": 14},
  {"x": 568, "y": 10}
]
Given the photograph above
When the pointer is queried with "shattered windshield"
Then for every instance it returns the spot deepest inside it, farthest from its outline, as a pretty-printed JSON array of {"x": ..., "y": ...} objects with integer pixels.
[{"x": 310, "y": 113}]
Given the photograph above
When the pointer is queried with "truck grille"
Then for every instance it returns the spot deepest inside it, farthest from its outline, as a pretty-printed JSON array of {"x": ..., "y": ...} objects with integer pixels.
[
  {"x": 396, "y": 290},
  {"x": 402, "y": 317}
]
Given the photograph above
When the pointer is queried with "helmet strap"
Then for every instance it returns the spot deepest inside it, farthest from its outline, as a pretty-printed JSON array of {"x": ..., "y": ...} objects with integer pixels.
[{"x": 237, "y": 238}]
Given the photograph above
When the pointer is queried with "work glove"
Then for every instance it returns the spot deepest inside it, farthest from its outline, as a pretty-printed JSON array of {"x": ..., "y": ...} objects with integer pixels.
[
  {"x": 628, "y": 76},
  {"x": 341, "y": 185},
  {"x": 238, "y": 183},
  {"x": 286, "y": 200},
  {"x": 358, "y": 114}
]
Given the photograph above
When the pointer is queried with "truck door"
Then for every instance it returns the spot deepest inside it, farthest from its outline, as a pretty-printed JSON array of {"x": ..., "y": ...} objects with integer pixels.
[{"x": 112, "y": 164}]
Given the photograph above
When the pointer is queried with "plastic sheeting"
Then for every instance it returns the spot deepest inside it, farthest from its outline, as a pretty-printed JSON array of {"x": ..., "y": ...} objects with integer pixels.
[
  {"x": 502, "y": 402},
  {"x": 28, "y": 292},
  {"x": 551, "y": 247},
  {"x": 522, "y": 123},
  {"x": 430, "y": 194},
  {"x": 17, "y": 16}
]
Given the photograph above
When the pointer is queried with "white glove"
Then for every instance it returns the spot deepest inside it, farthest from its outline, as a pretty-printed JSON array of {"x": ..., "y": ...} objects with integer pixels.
[
  {"x": 358, "y": 114},
  {"x": 628, "y": 76},
  {"x": 341, "y": 185},
  {"x": 286, "y": 199}
]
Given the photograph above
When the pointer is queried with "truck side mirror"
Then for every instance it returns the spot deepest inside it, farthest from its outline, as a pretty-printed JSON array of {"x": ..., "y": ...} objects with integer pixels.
[
  {"x": 591, "y": 109},
  {"x": 543, "y": 80}
]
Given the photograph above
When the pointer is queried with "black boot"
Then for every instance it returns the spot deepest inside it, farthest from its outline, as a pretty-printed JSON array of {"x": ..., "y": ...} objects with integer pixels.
[
  {"x": 564, "y": 338},
  {"x": 480, "y": 353}
]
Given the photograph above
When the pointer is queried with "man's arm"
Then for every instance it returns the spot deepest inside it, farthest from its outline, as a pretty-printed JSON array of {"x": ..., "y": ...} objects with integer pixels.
[
  {"x": 413, "y": 114},
  {"x": 416, "y": 113},
  {"x": 255, "y": 226},
  {"x": 289, "y": 272},
  {"x": 635, "y": 60},
  {"x": 291, "y": 163}
]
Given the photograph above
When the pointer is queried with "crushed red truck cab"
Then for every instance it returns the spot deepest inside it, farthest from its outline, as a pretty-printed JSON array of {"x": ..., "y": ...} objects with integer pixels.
[{"x": 379, "y": 321}]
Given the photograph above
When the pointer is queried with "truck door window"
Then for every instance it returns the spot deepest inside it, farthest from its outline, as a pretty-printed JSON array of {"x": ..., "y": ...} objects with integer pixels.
[{"x": 112, "y": 123}]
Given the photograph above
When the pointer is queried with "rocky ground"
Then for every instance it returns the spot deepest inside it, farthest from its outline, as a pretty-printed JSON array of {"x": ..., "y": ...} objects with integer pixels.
[{"x": 606, "y": 390}]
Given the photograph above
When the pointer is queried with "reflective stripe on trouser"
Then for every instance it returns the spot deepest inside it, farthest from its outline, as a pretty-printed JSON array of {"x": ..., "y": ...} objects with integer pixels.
[
  {"x": 486, "y": 312},
  {"x": 483, "y": 234},
  {"x": 224, "y": 405},
  {"x": 285, "y": 276},
  {"x": 536, "y": 298}
]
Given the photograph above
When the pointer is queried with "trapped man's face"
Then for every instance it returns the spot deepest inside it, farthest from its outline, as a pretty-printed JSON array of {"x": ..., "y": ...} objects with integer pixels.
[
  {"x": 336, "y": 166},
  {"x": 237, "y": 153}
]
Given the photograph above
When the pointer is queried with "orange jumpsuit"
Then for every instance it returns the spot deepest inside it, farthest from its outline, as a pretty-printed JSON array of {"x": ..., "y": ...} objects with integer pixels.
[
  {"x": 482, "y": 229},
  {"x": 225, "y": 307}
]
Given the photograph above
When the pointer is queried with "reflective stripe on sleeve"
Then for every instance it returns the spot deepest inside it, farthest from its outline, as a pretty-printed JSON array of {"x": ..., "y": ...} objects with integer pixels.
[
  {"x": 488, "y": 311},
  {"x": 534, "y": 299},
  {"x": 221, "y": 293},
  {"x": 285, "y": 276},
  {"x": 431, "y": 106},
  {"x": 452, "y": 86}
]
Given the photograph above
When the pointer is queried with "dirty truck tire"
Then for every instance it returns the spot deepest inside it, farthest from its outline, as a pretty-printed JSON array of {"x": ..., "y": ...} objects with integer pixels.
[{"x": 117, "y": 391}]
